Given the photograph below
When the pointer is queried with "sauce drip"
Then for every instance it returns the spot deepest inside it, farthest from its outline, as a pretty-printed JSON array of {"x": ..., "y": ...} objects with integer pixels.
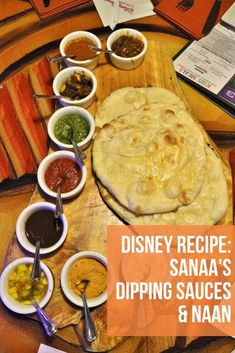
[
  {"x": 65, "y": 170},
  {"x": 41, "y": 225},
  {"x": 80, "y": 48}
]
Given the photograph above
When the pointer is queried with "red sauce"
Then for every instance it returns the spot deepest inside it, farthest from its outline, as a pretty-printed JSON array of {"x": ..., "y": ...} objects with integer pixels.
[{"x": 65, "y": 170}]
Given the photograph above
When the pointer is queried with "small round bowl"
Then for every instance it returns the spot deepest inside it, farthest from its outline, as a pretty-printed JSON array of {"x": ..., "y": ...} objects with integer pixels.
[
  {"x": 45, "y": 164},
  {"x": 13, "y": 304},
  {"x": 75, "y": 299},
  {"x": 64, "y": 75},
  {"x": 89, "y": 63},
  {"x": 21, "y": 233},
  {"x": 83, "y": 113},
  {"x": 126, "y": 63}
]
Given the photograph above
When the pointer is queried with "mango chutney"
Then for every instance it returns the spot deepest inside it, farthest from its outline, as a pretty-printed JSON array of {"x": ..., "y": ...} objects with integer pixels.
[{"x": 22, "y": 289}]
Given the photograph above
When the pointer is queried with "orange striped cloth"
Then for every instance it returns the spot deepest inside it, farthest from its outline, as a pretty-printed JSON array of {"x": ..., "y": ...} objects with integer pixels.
[{"x": 50, "y": 8}]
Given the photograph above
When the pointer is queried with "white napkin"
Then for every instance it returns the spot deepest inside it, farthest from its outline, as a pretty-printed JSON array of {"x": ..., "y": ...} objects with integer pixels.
[
  {"x": 47, "y": 349},
  {"x": 116, "y": 11}
]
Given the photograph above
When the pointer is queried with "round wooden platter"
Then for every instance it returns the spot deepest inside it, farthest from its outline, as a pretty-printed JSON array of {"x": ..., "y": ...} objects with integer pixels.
[{"x": 88, "y": 216}]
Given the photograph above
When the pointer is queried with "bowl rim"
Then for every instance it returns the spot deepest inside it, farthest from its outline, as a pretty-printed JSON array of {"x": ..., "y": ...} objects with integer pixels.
[
  {"x": 135, "y": 32},
  {"x": 85, "y": 34},
  {"x": 58, "y": 114},
  {"x": 70, "y": 70},
  {"x": 13, "y": 304},
  {"x": 49, "y": 159},
  {"x": 27, "y": 211},
  {"x": 91, "y": 302}
]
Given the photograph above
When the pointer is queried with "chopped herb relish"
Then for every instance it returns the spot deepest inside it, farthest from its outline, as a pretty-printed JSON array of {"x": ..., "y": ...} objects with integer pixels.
[{"x": 71, "y": 126}]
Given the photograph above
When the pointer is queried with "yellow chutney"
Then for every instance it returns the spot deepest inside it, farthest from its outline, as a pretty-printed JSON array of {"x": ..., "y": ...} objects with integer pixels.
[
  {"x": 22, "y": 289},
  {"x": 91, "y": 270}
]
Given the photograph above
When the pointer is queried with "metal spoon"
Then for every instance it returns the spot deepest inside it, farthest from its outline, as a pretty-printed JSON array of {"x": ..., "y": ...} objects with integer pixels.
[
  {"x": 48, "y": 323},
  {"x": 58, "y": 59},
  {"x": 78, "y": 152},
  {"x": 59, "y": 205},
  {"x": 52, "y": 96},
  {"x": 90, "y": 330},
  {"x": 100, "y": 49},
  {"x": 36, "y": 270}
]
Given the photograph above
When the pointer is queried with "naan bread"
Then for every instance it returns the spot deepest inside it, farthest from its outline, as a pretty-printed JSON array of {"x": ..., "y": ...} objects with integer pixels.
[
  {"x": 124, "y": 100},
  {"x": 151, "y": 160},
  {"x": 207, "y": 208}
]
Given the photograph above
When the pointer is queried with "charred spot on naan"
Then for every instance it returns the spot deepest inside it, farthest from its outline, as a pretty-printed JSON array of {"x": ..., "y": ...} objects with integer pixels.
[
  {"x": 169, "y": 113},
  {"x": 184, "y": 197},
  {"x": 170, "y": 138}
]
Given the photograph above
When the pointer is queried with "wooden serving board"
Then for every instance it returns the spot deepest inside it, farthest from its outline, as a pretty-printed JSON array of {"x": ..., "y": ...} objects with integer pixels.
[{"x": 88, "y": 215}]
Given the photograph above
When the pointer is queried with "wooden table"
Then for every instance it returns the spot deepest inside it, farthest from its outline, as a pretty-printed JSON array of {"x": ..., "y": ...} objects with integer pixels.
[{"x": 19, "y": 22}]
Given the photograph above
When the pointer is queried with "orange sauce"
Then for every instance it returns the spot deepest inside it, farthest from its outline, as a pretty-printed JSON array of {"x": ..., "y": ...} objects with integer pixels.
[{"x": 79, "y": 47}]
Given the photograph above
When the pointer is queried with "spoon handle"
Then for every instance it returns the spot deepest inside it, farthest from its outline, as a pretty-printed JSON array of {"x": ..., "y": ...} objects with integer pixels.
[
  {"x": 36, "y": 271},
  {"x": 48, "y": 323},
  {"x": 58, "y": 59},
  {"x": 59, "y": 205},
  {"x": 101, "y": 49},
  {"x": 52, "y": 96},
  {"x": 78, "y": 153},
  {"x": 90, "y": 331}
]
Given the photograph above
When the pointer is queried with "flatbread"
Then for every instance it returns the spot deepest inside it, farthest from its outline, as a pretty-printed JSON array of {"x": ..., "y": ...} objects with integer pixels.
[
  {"x": 207, "y": 208},
  {"x": 151, "y": 160},
  {"x": 124, "y": 100}
]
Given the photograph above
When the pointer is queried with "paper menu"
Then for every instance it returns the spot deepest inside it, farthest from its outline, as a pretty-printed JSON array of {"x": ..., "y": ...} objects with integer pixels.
[
  {"x": 209, "y": 64},
  {"x": 112, "y": 12}
]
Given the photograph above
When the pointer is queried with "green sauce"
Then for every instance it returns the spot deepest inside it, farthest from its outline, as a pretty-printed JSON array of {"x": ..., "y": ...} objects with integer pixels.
[{"x": 71, "y": 126}]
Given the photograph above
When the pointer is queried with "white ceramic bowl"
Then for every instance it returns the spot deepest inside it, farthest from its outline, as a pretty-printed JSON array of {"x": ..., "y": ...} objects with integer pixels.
[
  {"x": 126, "y": 63},
  {"x": 89, "y": 63},
  {"x": 75, "y": 299},
  {"x": 64, "y": 75},
  {"x": 83, "y": 113},
  {"x": 45, "y": 164},
  {"x": 13, "y": 304},
  {"x": 20, "y": 227}
]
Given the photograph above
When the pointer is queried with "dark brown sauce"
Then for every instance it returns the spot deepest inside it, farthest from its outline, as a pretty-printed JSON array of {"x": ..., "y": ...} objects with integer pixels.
[
  {"x": 80, "y": 48},
  {"x": 41, "y": 225}
]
